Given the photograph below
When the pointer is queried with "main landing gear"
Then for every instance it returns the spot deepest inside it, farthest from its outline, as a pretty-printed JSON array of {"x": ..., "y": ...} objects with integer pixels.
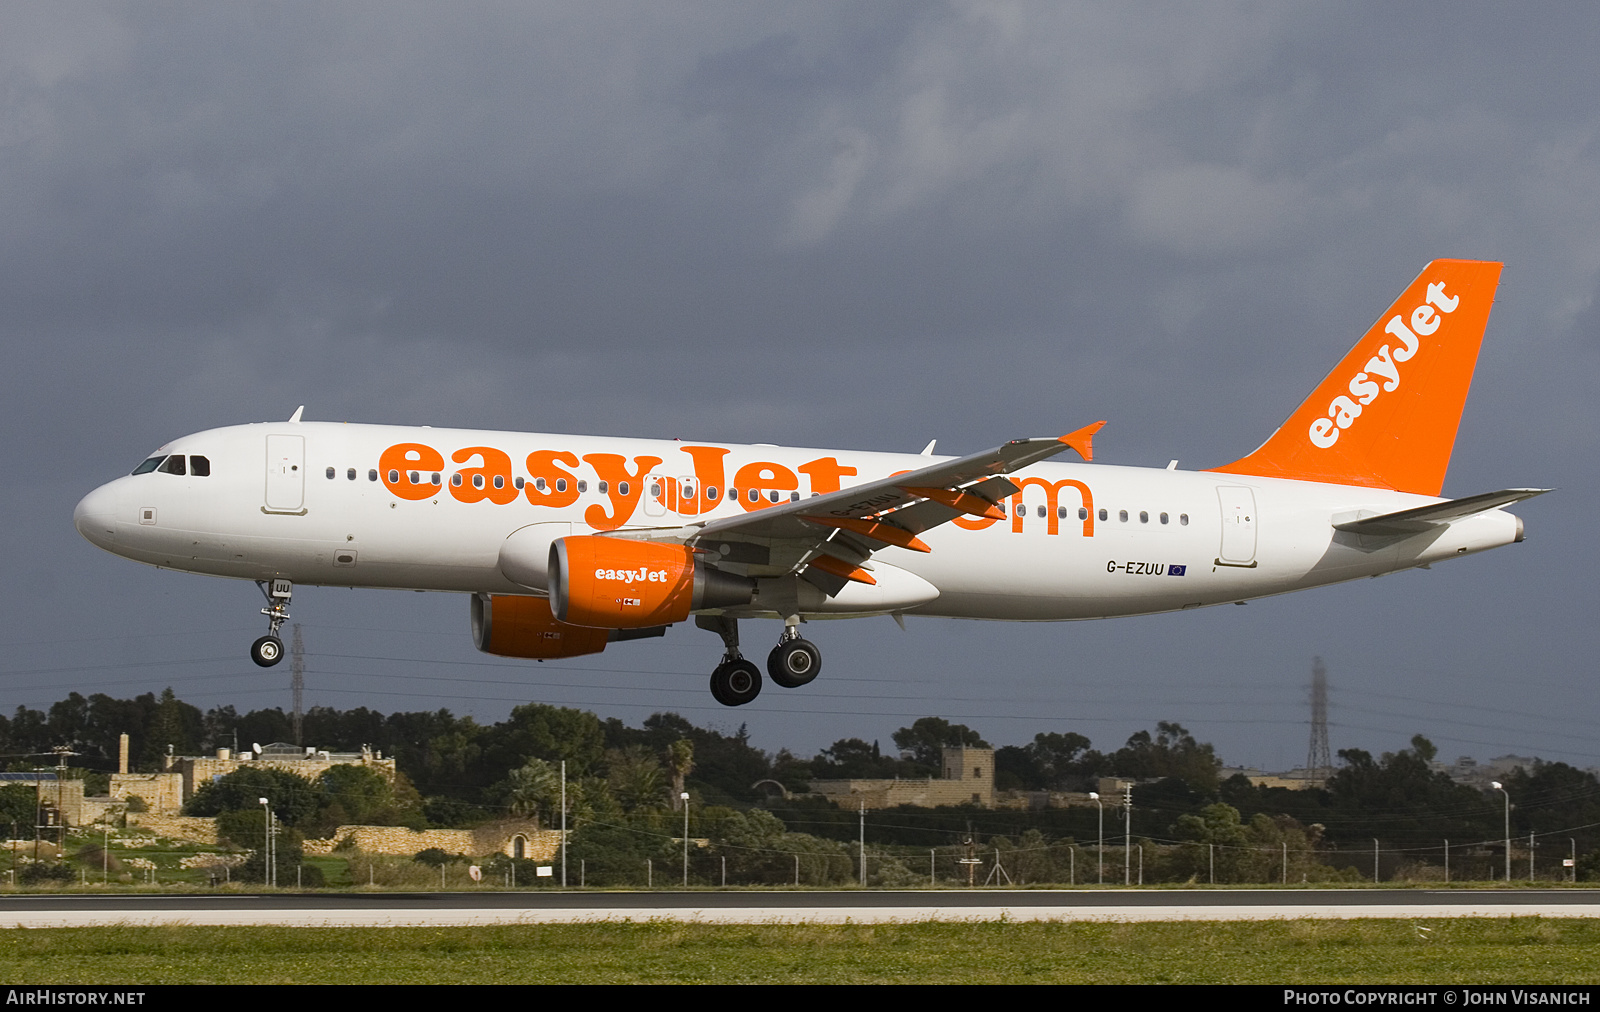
[
  {"x": 268, "y": 650},
  {"x": 736, "y": 681}
]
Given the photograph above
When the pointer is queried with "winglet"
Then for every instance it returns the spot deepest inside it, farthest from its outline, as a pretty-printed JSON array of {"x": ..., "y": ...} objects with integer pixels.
[
  {"x": 1082, "y": 439},
  {"x": 297, "y": 412}
]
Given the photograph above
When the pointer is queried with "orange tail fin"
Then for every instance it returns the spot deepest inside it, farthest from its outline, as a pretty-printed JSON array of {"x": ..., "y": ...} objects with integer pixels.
[{"x": 1386, "y": 417}]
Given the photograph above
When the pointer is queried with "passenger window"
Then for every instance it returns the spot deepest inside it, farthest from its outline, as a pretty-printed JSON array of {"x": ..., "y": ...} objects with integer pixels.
[
  {"x": 518, "y": 484},
  {"x": 477, "y": 481},
  {"x": 1061, "y": 512},
  {"x": 655, "y": 488},
  {"x": 711, "y": 493},
  {"x": 753, "y": 495},
  {"x": 733, "y": 493},
  {"x": 538, "y": 484},
  {"x": 1083, "y": 513},
  {"x": 774, "y": 495},
  {"x": 499, "y": 481},
  {"x": 1144, "y": 517},
  {"x": 794, "y": 496},
  {"x": 172, "y": 465},
  {"x": 455, "y": 479},
  {"x": 561, "y": 484},
  {"x": 1022, "y": 510},
  {"x": 200, "y": 467},
  {"x": 622, "y": 489},
  {"x": 330, "y": 474},
  {"x": 1102, "y": 514},
  {"x": 687, "y": 491},
  {"x": 1041, "y": 512},
  {"x": 603, "y": 486},
  {"x": 372, "y": 474},
  {"x": 1122, "y": 515},
  {"x": 351, "y": 474},
  {"x": 1183, "y": 519},
  {"x": 394, "y": 477},
  {"x": 149, "y": 465},
  {"x": 436, "y": 477},
  {"x": 1163, "y": 518},
  {"x": 583, "y": 486}
]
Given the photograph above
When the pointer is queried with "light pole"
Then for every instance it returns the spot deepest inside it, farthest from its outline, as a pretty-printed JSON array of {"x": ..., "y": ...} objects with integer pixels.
[
  {"x": 1127, "y": 831},
  {"x": 1496, "y": 785},
  {"x": 684, "y": 797},
  {"x": 1099, "y": 852},
  {"x": 266, "y": 843}
]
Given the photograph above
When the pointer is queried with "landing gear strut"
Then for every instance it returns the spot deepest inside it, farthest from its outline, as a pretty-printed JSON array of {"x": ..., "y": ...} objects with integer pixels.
[
  {"x": 735, "y": 681},
  {"x": 268, "y": 650},
  {"x": 794, "y": 661}
]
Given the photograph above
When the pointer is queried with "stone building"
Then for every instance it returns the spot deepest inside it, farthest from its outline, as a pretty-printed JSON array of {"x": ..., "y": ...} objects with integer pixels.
[
  {"x": 310, "y": 763},
  {"x": 968, "y": 780}
]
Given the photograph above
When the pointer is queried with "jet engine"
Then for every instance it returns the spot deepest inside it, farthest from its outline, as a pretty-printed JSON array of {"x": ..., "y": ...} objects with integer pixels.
[{"x": 611, "y": 583}]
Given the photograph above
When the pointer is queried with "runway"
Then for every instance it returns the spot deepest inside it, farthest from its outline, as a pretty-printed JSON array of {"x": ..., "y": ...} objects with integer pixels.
[{"x": 416, "y": 909}]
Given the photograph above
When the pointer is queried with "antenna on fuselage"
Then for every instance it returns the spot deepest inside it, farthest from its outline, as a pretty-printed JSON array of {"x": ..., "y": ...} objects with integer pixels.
[{"x": 297, "y": 412}]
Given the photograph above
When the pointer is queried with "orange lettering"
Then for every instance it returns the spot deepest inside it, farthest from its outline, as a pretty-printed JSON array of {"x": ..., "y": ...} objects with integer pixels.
[
  {"x": 624, "y": 489},
  {"x": 825, "y": 473},
  {"x": 1051, "y": 491},
  {"x": 708, "y": 473},
  {"x": 480, "y": 483},
  {"x": 974, "y": 523},
  {"x": 399, "y": 462},
  {"x": 560, "y": 486},
  {"x": 762, "y": 477}
]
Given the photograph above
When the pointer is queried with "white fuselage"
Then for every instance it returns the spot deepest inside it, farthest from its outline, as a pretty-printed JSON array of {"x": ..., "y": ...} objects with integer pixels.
[{"x": 1079, "y": 540}]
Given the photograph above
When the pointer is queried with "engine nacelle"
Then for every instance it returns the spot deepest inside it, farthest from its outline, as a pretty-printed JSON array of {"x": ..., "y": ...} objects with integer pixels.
[
  {"x": 612, "y": 583},
  {"x": 512, "y": 626}
]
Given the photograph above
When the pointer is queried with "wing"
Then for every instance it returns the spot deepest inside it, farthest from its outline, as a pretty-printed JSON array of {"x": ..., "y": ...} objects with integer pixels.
[{"x": 828, "y": 539}]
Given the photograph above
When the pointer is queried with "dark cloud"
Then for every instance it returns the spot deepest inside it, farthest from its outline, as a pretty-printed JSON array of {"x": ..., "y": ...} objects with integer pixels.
[{"x": 859, "y": 226}]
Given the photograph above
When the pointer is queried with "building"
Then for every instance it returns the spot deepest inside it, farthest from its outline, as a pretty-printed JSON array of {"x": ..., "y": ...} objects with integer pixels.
[{"x": 968, "y": 780}]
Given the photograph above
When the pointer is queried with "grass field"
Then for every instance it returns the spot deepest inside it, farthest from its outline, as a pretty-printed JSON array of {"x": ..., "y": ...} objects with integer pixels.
[{"x": 1448, "y": 951}]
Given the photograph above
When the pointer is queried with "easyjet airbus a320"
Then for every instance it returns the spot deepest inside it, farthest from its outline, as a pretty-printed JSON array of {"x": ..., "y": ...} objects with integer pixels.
[{"x": 566, "y": 543}]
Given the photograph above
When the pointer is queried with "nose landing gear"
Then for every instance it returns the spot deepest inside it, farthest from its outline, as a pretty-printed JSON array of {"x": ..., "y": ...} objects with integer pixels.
[{"x": 268, "y": 650}]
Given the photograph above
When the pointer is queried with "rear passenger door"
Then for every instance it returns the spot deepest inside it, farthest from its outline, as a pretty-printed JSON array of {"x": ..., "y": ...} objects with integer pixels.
[{"x": 286, "y": 474}]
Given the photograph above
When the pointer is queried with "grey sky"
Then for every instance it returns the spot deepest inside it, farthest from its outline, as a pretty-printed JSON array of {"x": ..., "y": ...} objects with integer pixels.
[{"x": 861, "y": 225}]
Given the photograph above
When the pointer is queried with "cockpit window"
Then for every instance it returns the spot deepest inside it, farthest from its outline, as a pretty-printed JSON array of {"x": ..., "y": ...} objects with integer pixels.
[
  {"x": 199, "y": 466},
  {"x": 149, "y": 465},
  {"x": 172, "y": 465}
]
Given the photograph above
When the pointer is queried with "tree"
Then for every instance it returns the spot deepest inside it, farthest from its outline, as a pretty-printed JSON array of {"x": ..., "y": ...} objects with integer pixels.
[
  {"x": 635, "y": 777},
  {"x": 852, "y": 758},
  {"x": 175, "y": 725},
  {"x": 680, "y": 760},
  {"x": 539, "y": 731},
  {"x": 293, "y": 799},
  {"x": 531, "y": 791},
  {"x": 923, "y": 743},
  {"x": 1173, "y": 752}
]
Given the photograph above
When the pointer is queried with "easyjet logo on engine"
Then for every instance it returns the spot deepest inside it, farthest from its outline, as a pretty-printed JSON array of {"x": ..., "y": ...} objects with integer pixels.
[
  {"x": 1382, "y": 372},
  {"x": 632, "y": 575}
]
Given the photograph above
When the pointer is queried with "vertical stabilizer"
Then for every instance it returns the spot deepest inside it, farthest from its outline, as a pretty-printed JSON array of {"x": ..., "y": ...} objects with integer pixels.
[{"x": 1386, "y": 417}]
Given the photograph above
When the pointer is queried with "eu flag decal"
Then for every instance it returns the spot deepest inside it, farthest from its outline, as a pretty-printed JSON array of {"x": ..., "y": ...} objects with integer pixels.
[{"x": 1176, "y": 570}]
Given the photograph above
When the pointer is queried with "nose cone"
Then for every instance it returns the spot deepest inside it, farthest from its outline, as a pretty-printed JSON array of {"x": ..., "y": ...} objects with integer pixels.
[{"x": 96, "y": 516}]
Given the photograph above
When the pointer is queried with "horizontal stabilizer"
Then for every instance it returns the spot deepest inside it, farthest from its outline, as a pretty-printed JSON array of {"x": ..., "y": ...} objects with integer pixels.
[{"x": 1423, "y": 518}]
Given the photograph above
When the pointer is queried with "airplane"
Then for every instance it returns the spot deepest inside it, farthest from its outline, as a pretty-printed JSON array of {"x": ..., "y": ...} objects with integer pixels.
[{"x": 567, "y": 543}]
